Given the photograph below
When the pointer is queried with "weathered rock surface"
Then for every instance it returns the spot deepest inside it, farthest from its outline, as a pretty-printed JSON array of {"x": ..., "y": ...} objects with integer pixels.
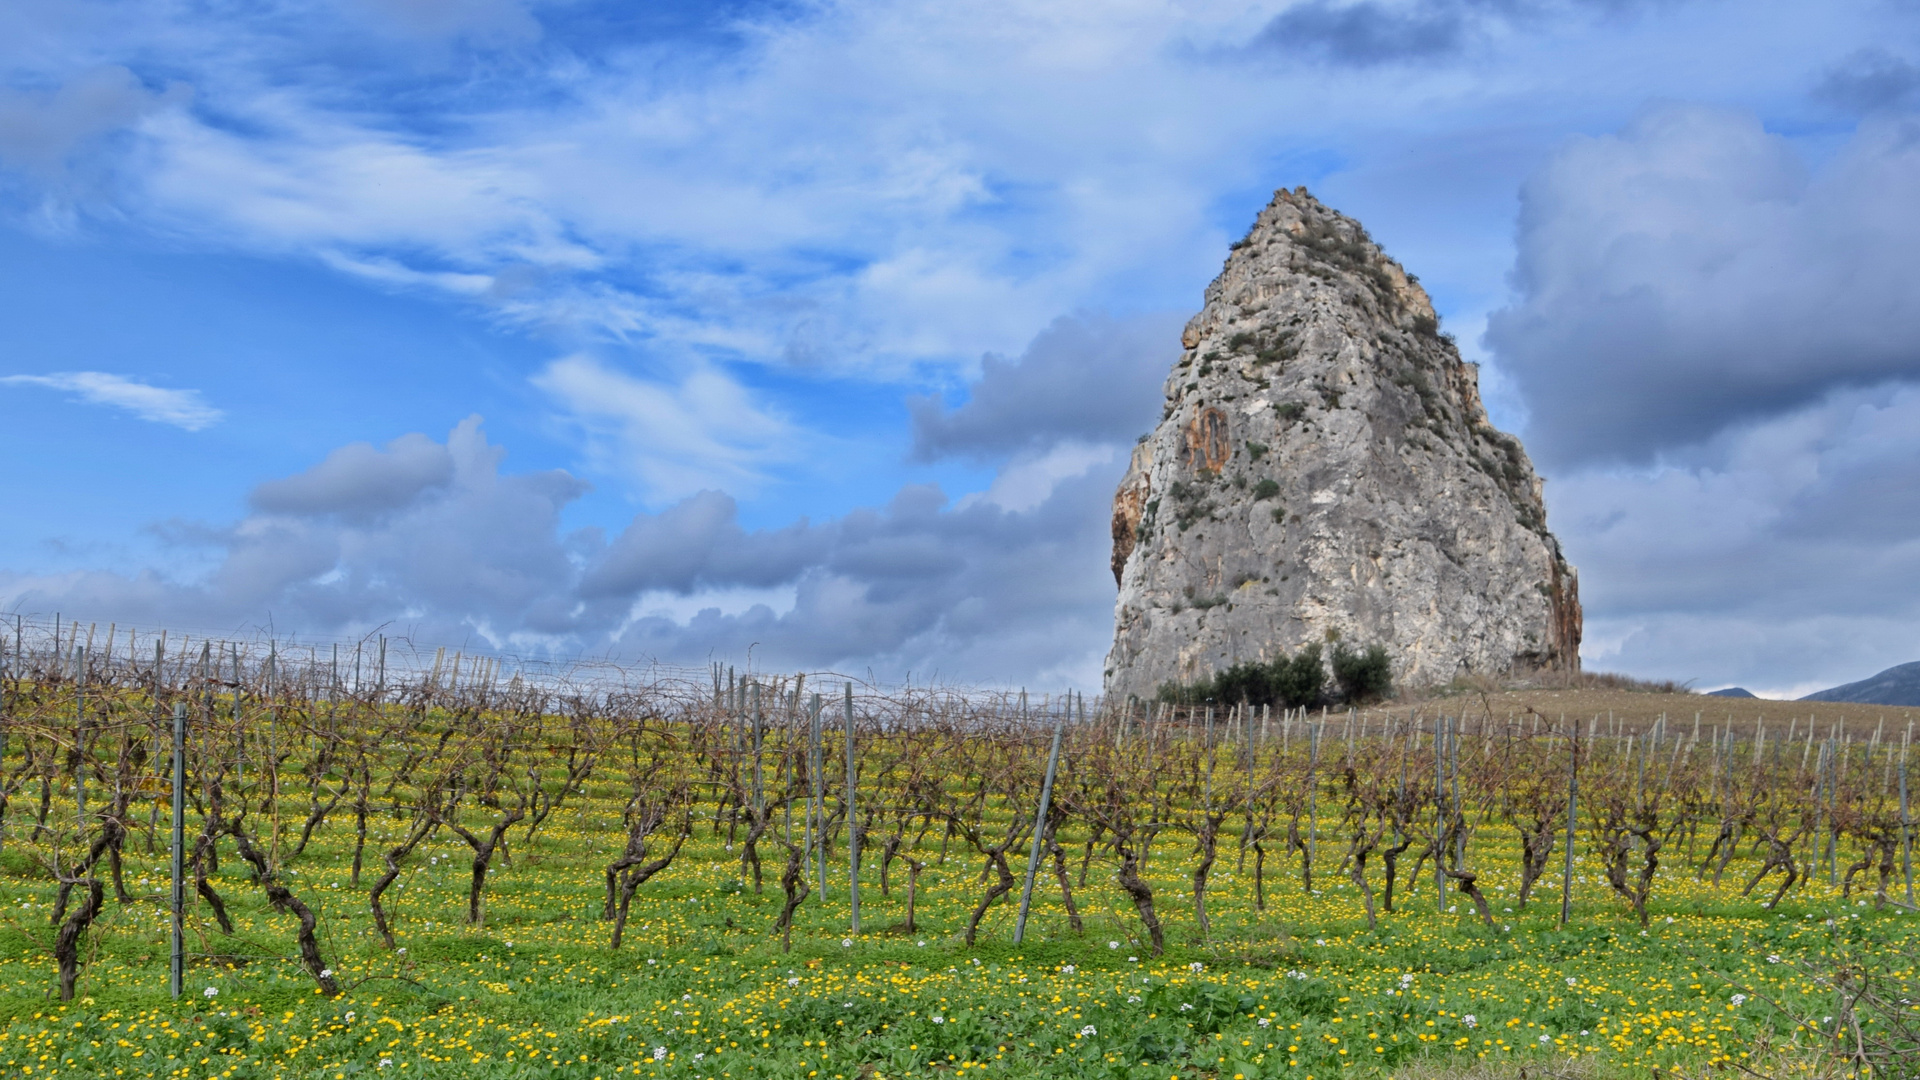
[{"x": 1324, "y": 465}]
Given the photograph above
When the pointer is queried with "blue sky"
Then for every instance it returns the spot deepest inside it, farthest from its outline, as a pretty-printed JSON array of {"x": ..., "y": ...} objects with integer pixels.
[{"x": 667, "y": 330}]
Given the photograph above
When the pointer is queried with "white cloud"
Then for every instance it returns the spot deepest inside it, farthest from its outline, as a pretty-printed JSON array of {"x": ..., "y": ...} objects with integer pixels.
[
  {"x": 1028, "y": 481},
  {"x": 703, "y": 430},
  {"x": 181, "y": 408},
  {"x": 389, "y": 272}
]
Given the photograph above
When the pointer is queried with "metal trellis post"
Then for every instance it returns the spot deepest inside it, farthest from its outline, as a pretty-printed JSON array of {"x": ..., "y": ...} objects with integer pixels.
[
  {"x": 1039, "y": 826},
  {"x": 853, "y": 824},
  {"x": 177, "y": 965}
]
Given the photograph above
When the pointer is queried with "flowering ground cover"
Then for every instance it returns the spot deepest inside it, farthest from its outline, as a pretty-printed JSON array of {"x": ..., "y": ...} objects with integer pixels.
[{"x": 699, "y": 988}]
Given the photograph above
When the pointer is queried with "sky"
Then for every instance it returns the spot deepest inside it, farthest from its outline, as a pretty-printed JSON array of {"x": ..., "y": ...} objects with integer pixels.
[{"x": 817, "y": 332}]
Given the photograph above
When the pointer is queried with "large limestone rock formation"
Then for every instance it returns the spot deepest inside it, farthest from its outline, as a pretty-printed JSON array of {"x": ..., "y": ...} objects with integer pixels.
[{"x": 1324, "y": 466}]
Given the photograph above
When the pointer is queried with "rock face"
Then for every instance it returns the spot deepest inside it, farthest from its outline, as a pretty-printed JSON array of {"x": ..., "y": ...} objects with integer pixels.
[{"x": 1323, "y": 466}]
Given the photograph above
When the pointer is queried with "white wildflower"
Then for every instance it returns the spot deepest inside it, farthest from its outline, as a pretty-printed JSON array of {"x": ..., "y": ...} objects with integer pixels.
[
  {"x": 1088, "y": 1030},
  {"x": 1067, "y": 969},
  {"x": 1196, "y": 967},
  {"x": 1470, "y": 1020},
  {"x": 1113, "y": 944},
  {"x": 211, "y": 991},
  {"x": 795, "y": 981},
  {"x": 1265, "y": 1022},
  {"x": 939, "y": 1019},
  {"x": 1739, "y": 999},
  {"x": 1571, "y": 981},
  {"x": 659, "y": 1053}
]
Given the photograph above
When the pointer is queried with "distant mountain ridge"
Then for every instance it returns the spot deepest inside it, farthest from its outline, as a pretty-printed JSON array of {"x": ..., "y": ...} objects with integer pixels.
[{"x": 1898, "y": 685}]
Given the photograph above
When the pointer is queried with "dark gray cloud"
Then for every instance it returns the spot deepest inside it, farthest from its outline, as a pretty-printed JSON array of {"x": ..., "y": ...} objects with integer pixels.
[
  {"x": 42, "y": 129},
  {"x": 358, "y": 481},
  {"x": 969, "y": 592},
  {"x": 1869, "y": 81},
  {"x": 1693, "y": 272},
  {"x": 1721, "y": 359},
  {"x": 481, "y": 551},
  {"x": 437, "y": 539},
  {"x": 699, "y": 543},
  {"x": 1779, "y": 556},
  {"x": 1094, "y": 378},
  {"x": 1369, "y": 32}
]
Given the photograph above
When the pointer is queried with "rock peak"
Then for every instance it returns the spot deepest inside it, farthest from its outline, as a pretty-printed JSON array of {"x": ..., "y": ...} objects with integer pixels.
[{"x": 1324, "y": 469}]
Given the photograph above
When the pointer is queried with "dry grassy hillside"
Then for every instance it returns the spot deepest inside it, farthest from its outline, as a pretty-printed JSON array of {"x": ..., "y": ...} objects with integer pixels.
[{"x": 1635, "y": 707}]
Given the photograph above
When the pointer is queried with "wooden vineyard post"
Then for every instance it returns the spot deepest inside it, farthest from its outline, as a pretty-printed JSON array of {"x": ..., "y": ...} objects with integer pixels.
[
  {"x": 1573, "y": 810},
  {"x": 1453, "y": 771},
  {"x": 1835, "y": 775},
  {"x": 820, "y": 794},
  {"x": 177, "y": 963},
  {"x": 817, "y": 806},
  {"x": 1039, "y": 826},
  {"x": 1313, "y": 801},
  {"x": 1439, "y": 813},
  {"x": 80, "y": 732},
  {"x": 759, "y": 730},
  {"x": 1906, "y": 831},
  {"x": 853, "y": 824}
]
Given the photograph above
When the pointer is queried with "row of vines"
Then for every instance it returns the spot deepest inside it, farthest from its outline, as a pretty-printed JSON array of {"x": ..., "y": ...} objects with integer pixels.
[{"x": 822, "y": 787}]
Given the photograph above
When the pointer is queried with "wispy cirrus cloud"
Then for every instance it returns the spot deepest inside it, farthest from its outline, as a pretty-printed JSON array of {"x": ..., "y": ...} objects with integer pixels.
[{"x": 180, "y": 408}]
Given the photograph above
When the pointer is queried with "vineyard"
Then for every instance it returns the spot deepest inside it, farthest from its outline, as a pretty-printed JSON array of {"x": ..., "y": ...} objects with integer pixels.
[{"x": 242, "y": 860}]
